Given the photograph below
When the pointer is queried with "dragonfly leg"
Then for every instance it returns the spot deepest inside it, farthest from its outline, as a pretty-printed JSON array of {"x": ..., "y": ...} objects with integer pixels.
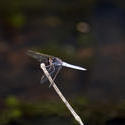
[
  {"x": 48, "y": 66},
  {"x": 56, "y": 75},
  {"x": 44, "y": 78}
]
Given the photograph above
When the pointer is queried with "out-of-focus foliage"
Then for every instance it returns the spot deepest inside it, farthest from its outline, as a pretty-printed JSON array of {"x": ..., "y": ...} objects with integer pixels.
[{"x": 22, "y": 112}]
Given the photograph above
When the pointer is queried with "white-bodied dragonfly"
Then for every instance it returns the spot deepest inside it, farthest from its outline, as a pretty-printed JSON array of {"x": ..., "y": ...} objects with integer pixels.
[{"x": 53, "y": 64}]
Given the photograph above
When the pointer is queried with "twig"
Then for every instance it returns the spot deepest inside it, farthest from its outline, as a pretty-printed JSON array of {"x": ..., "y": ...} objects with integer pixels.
[{"x": 78, "y": 119}]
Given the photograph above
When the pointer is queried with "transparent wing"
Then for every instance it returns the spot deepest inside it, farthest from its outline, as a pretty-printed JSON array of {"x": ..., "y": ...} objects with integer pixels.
[{"x": 39, "y": 56}]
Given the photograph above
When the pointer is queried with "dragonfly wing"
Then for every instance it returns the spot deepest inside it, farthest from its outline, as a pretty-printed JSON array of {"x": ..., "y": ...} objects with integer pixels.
[{"x": 39, "y": 56}]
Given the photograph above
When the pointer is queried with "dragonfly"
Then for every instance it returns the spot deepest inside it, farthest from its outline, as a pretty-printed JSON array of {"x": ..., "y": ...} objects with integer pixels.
[{"x": 53, "y": 64}]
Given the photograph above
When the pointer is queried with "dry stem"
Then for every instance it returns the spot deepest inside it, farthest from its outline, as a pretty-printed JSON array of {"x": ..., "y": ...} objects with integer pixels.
[{"x": 78, "y": 119}]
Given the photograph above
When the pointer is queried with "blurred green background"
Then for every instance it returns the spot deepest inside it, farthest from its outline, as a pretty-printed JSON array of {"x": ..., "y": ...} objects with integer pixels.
[{"x": 89, "y": 33}]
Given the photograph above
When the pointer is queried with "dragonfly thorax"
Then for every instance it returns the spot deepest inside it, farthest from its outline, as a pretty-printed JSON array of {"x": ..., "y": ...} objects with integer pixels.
[{"x": 57, "y": 61}]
